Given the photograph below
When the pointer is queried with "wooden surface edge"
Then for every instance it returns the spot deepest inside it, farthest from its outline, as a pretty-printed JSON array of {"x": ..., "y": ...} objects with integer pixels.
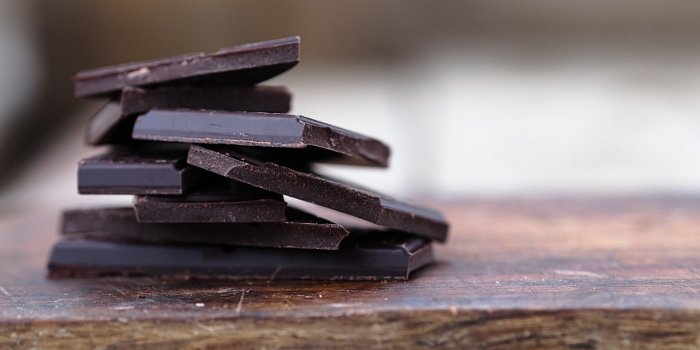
[{"x": 502, "y": 329}]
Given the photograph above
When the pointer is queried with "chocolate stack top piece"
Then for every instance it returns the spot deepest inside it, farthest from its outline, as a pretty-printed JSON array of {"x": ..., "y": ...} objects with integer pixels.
[
  {"x": 209, "y": 156},
  {"x": 239, "y": 65}
]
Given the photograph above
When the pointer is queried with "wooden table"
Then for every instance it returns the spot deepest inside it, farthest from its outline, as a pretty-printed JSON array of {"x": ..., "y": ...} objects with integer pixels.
[{"x": 575, "y": 274}]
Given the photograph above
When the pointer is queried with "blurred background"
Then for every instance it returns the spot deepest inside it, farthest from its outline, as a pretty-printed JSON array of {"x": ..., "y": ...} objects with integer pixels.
[{"x": 476, "y": 98}]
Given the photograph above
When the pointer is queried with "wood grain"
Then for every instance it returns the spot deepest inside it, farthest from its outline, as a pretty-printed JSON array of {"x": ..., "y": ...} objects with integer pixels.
[{"x": 527, "y": 274}]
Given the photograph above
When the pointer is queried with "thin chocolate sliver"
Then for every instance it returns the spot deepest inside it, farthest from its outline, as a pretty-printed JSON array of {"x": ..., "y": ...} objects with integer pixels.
[
  {"x": 255, "y": 206},
  {"x": 109, "y": 125},
  {"x": 300, "y": 231},
  {"x": 114, "y": 122},
  {"x": 263, "y": 130},
  {"x": 373, "y": 207},
  {"x": 369, "y": 258},
  {"x": 239, "y": 65}
]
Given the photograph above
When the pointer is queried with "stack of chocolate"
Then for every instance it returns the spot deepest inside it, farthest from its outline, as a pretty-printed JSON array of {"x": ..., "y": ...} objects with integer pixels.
[{"x": 209, "y": 156}]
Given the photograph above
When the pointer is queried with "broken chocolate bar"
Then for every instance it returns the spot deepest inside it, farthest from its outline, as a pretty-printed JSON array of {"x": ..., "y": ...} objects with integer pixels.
[
  {"x": 373, "y": 207},
  {"x": 259, "y": 130},
  {"x": 249, "y": 206},
  {"x": 300, "y": 230},
  {"x": 370, "y": 257},
  {"x": 239, "y": 65},
  {"x": 136, "y": 170},
  {"x": 114, "y": 122}
]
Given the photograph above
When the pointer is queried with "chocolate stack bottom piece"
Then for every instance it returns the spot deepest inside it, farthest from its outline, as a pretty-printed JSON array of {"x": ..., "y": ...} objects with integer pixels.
[
  {"x": 361, "y": 256},
  {"x": 209, "y": 158}
]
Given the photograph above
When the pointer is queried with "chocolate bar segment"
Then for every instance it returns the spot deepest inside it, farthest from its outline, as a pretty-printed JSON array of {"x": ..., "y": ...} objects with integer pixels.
[
  {"x": 136, "y": 170},
  {"x": 114, "y": 122},
  {"x": 370, "y": 206},
  {"x": 261, "y": 98},
  {"x": 368, "y": 258},
  {"x": 239, "y": 65},
  {"x": 251, "y": 206},
  {"x": 260, "y": 130},
  {"x": 299, "y": 231}
]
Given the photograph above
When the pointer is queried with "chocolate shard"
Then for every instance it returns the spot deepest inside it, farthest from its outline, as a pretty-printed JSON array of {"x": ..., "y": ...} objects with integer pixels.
[
  {"x": 109, "y": 125},
  {"x": 364, "y": 204},
  {"x": 114, "y": 122},
  {"x": 300, "y": 231},
  {"x": 370, "y": 257},
  {"x": 239, "y": 65},
  {"x": 261, "y": 130},
  {"x": 137, "y": 170},
  {"x": 250, "y": 206}
]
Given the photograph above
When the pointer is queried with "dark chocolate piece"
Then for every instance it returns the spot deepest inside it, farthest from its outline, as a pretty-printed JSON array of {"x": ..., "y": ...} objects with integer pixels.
[
  {"x": 109, "y": 125},
  {"x": 239, "y": 65},
  {"x": 259, "y": 130},
  {"x": 252, "y": 206},
  {"x": 261, "y": 98},
  {"x": 369, "y": 258},
  {"x": 152, "y": 169},
  {"x": 114, "y": 122},
  {"x": 300, "y": 231},
  {"x": 373, "y": 207},
  {"x": 134, "y": 170}
]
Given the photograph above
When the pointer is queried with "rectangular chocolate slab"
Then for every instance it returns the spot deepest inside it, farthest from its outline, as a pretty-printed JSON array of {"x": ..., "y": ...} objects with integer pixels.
[
  {"x": 239, "y": 65},
  {"x": 260, "y": 98},
  {"x": 258, "y": 129},
  {"x": 136, "y": 170},
  {"x": 368, "y": 258},
  {"x": 373, "y": 207},
  {"x": 251, "y": 206},
  {"x": 299, "y": 231},
  {"x": 152, "y": 169},
  {"x": 114, "y": 122}
]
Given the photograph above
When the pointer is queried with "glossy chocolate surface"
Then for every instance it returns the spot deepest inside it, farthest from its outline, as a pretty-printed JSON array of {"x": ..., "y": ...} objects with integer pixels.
[{"x": 261, "y": 130}]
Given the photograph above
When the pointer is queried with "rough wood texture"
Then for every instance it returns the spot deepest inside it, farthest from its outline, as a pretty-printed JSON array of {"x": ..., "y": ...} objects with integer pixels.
[{"x": 526, "y": 274}]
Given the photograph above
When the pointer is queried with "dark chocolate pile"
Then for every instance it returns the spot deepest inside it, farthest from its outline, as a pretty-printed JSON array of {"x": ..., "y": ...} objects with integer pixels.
[{"x": 209, "y": 155}]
